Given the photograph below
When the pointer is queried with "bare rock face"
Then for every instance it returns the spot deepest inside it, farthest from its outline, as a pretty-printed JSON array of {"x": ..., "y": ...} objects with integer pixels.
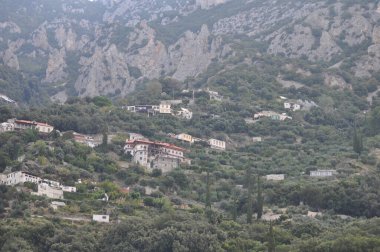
[
  {"x": 299, "y": 42},
  {"x": 193, "y": 53},
  {"x": 10, "y": 26},
  {"x": 376, "y": 35},
  {"x": 105, "y": 72},
  {"x": 55, "y": 71},
  {"x": 333, "y": 80},
  {"x": 40, "y": 39},
  {"x": 66, "y": 38},
  {"x": 9, "y": 56}
]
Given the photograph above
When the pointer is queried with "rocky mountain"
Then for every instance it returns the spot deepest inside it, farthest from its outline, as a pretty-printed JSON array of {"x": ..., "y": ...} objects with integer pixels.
[{"x": 107, "y": 47}]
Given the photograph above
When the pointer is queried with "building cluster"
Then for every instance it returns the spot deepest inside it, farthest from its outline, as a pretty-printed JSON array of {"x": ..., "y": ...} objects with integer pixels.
[
  {"x": 48, "y": 188},
  {"x": 292, "y": 106},
  {"x": 272, "y": 115},
  {"x": 213, "y": 143},
  {"x": 90, "y": 141},
  {"x": 155, "y": 155},
  {"x": 17, "y": 125},
  {"x": 165, "y": 107}
]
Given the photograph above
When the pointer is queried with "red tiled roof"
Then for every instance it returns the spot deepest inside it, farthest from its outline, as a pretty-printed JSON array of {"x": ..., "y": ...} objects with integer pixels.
[{"x": 31, "y": 123}]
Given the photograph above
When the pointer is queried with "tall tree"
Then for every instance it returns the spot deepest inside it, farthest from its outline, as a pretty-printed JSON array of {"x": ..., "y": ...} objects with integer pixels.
[
  {"x": 357, "y": 141},
  {"x": 208, "y": 193},
  {"x": 250, "y": 196},
  {"x": 260, "y": 200},
  {"x": 271, "y": 240}
]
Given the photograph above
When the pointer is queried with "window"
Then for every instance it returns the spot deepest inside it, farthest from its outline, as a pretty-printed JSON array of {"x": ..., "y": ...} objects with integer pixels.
[{"x": 104, "y": 217}]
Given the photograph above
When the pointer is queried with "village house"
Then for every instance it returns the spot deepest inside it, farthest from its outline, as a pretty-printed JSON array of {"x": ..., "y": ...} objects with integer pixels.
[
  {"x": 19, "y": 177},
  {"x": 49, "y": 191},
  {"x": 185, "y": 113},
  {"x": 217, "y": 144},
  {"x": 148, "y": 109},
  {"x": 155, "y": 155},
  {"x": 322, "y": 173},
  {"x": 86, "y": 140},
  {"x": 165, "y": 108},
  {"x": 185, "y": 137},
  {"x": 7, "y": 127},
  {"x": 68, "y": 188},
  {"x": 256, "y": 139},
  {"x": 275, "y": 177},
  {"x": 56, "y": 204},
  {"x": 292, "y": 106},
  {"x": 214, "y": 95},
  {"x": 101, "y": 218},
  {"x": 43, "y": 128},
  {"x": 272, "y": 115},
  {"x": 136, "y": 136}
]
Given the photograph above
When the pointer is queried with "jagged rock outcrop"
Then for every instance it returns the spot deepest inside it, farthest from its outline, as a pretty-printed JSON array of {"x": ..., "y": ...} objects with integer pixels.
[{"x": 110, "y": 46}]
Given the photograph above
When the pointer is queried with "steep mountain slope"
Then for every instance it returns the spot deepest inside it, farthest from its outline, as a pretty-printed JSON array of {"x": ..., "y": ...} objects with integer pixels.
[{"x": 108, "y": 47}]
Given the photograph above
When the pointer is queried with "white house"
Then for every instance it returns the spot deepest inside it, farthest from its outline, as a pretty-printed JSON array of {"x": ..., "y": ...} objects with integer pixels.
[
  {"x": 19, "y": 177},
  {"x": 217, "y": 144},
  {"x": 275, "y": 177},
  {"x": 68, "y": 188},
  {"x": 165, "y": 108},
  {"x": 322, "y": 173},
  {"x": 256, "y": 139},
  {"x": 101, "y": 218},
  {"x": 292, "y": 106},
  {"x": 49, "y": 191},
  {"x": 56, "y": 204},
  {"x": 185, "y": 114},
  {"x": 7, "y": 127},
  {"x": 136, "y": 136}
]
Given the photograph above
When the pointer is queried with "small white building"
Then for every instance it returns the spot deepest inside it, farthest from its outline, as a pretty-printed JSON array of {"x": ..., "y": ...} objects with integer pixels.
[
  {"x": 50, "y": 182},
  {"x": 256, "y": 139},
  {"x": 68, "y": 188},
  {"x": 322, "y": 173},
  {"x": 136, "y": 136},
  {"x": 165, "y": 108},
  {"x": 49, "y": 191},
  {"x": 185, "y": 114},
  {"x": 185, "y": 137},
  {"x": 101, "y": 218},
  {"x": 275, "y": 177},
  {"x": 56, "y": 204},
  {"x": 20, "y": 177},
  {"x": 292, "y": 106},
  {"x": 7, "y": 127},
  {"x": 217, "y": 144}
]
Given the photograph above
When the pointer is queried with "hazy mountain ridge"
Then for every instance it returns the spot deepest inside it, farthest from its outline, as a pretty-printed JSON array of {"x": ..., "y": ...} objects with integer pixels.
[{"x": 108, "y": 47}]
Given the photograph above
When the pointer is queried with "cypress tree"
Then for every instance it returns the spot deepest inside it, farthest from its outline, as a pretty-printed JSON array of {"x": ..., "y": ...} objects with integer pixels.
[
  {"x": 208, "y": 193},
  {"x": 357, "y": 141},
  {"x": 250, "y": 197},
  {"x": 271, "y": 240},
  {"x": 260, "y": 200}
]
